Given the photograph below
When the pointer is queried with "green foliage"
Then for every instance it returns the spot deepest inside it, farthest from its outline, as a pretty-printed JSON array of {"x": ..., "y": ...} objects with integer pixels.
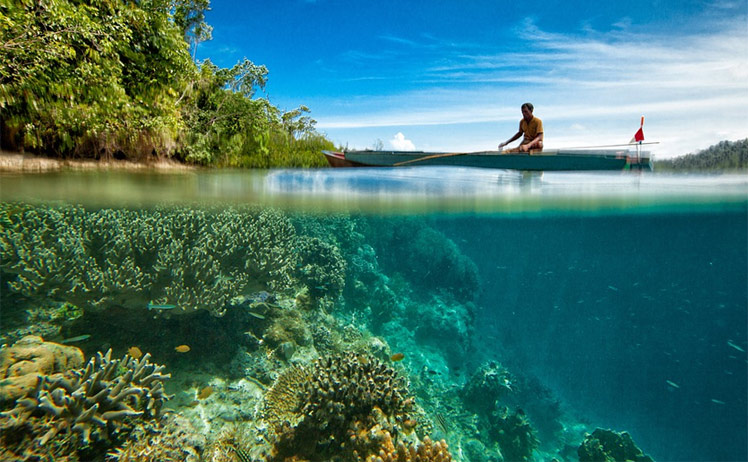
[
  {"x": 725, "y": 155},
  {"x": 90, "y": 79},
  {"x": 112, "y": 78}
]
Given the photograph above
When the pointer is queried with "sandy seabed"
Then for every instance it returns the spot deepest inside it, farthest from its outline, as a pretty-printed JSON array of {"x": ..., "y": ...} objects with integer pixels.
[{"x": 15, "y": 162}]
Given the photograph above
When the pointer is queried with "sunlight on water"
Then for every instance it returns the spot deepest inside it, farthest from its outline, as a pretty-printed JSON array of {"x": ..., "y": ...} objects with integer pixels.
[{"x": 401, "y": 190}]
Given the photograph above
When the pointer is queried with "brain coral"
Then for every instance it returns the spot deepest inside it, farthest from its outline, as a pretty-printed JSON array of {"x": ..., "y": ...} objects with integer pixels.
[
  {"x": 341, "y": 408},
  {"x": 191, "y": 258},
  {"x": 21, "y": 365}
]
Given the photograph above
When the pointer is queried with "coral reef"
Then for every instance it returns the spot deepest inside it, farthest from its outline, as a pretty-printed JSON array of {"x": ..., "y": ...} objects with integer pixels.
[
  {"x": 427, "y": 451},
  {"x": 79, "y": 408},
  {"x": 424, "y": 256},
  {"x": 321, "y": 268},
  {"x": 514, "y": 434},
  {"x": 489, "y": 384},
  {"x": 27, "y": 360},
  {"x": 609, "y": 446},
  {"x": 186, "y": 258},
  {"x": 341, "y": 408},
  {"x": 171, "y": 439}
]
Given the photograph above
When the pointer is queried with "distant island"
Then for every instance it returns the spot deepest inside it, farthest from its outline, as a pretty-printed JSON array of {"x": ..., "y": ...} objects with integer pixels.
[{"x": 725, "y": 155}]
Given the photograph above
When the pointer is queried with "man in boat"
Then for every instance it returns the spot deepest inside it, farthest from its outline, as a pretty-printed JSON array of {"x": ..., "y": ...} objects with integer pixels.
[{"x": 532, "y": 128}]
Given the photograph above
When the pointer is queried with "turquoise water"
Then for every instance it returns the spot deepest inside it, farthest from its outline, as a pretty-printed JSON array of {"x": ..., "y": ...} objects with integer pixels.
[{"x": 615, "y": 300}]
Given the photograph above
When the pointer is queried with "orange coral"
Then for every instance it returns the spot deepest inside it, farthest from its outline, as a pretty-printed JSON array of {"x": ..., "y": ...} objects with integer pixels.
[{"x": 427, "y": 451}]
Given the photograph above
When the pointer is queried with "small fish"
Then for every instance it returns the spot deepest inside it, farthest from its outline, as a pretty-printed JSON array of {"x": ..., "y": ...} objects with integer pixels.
[
  {"x": 672, "y": 384},
  {"x": 241, "y": 454},
  {"x": 256, "y": 315},
  {"x": 397, "y": 357},
  {"x": 732, "y": 345},
  {"x": 613, "y": 288},
  {"x": 153, "y": 306},
  {"x": 716, "y": 401},
  {"x": 182, "y": 349},
  {"x": 135, "y": 352},
  {"x": 79, "y": 338},
  {"x": 441, "y": 422},
  {"x": 205, "y": 392}
]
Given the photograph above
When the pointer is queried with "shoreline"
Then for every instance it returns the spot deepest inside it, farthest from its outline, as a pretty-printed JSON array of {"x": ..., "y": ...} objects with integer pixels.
[{"x": 17, "y": 162}]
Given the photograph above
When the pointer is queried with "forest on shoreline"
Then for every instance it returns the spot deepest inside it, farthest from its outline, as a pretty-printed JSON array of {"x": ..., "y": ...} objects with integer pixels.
[
  {"x": 725, "y": 155},
  {"x": 115, "y": 80}
]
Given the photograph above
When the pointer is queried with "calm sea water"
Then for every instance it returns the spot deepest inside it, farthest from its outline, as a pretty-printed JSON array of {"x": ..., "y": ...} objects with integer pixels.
[{"x": 626, "y": 294}]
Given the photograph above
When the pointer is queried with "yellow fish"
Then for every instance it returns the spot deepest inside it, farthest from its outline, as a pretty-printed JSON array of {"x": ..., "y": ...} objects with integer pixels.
[
  {"x": 182, "y": 348},
  {"x": 397, "y": 357},
  {"x": 135, "y": 352},
  {"x": 205, "y": 392}
]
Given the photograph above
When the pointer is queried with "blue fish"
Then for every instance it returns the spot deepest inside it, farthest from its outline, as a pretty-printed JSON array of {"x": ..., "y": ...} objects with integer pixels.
[
  {"x": 79, "y": 338},
  {"x": 152, "y": 306}
]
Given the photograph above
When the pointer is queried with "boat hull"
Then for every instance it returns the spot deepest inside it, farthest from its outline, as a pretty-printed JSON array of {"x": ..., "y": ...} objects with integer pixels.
[{"x": 556, "y": 160}]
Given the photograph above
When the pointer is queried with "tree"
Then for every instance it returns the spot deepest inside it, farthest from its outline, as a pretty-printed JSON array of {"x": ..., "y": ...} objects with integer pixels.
[{"x": 189, "y": 16}]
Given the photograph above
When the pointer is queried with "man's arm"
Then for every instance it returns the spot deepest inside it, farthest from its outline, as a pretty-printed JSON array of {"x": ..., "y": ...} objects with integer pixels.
[{"x": 516, "y": 135}]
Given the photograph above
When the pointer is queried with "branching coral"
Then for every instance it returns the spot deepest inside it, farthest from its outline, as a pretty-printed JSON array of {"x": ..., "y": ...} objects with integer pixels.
[
  {"x": 191, "y": 258},
  {"x": 88, "y": 404}
]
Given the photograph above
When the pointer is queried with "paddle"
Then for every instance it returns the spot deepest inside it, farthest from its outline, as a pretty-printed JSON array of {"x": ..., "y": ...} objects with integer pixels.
[{"x": 434, "y": 156}]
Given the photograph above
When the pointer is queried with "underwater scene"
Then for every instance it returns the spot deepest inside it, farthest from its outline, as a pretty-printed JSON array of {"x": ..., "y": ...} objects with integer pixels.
[{"x": 378, "y": 315}]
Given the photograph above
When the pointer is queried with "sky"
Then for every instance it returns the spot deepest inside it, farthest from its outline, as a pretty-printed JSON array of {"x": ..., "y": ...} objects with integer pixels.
[{"x": 450, "y": 76}]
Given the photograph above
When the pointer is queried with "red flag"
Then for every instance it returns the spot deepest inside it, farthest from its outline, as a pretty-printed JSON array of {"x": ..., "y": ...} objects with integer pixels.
[{"x": 639, "y": 135}]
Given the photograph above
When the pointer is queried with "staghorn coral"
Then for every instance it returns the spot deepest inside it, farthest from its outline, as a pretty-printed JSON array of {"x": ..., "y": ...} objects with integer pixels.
[
  {"x": 608, "y": 446},
  {"x": 195, "y": 259},
  {"x": 340, "y": 412},
  {"x": 85, "y": 406}
]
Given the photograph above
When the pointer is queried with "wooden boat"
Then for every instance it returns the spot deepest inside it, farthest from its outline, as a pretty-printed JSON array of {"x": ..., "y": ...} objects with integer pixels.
[{"x": 546, "y": 160}]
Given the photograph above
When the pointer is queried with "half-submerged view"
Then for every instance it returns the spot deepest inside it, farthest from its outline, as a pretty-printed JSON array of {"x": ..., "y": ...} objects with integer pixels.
[
  {"x": 186, "y": 274},
  {"x": 219, "y": 331}
]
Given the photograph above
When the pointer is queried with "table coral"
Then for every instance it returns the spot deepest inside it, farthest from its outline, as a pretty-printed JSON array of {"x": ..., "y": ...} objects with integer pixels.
[{"x": 186, "y": 257}]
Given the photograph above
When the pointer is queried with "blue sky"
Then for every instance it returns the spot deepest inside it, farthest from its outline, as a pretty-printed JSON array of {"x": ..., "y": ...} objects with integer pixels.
[{"x": 451, "y": 75}]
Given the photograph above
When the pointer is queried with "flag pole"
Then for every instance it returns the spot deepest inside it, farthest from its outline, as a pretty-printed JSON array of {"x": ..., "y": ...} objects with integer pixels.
[{"x": 639, "y": 146}]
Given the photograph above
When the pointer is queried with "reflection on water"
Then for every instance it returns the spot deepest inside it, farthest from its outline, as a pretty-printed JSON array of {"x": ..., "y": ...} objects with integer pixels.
[{"x": 387, "y": 190}]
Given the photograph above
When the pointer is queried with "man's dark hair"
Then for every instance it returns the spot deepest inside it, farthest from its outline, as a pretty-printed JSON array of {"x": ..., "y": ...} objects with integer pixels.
[{"x": 528, "y": 106}]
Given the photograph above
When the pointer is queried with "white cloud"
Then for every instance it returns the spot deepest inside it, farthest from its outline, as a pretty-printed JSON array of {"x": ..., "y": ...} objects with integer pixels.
[
  {"x": 693, "y": 89},
  {"x": 399, "y": 143}
]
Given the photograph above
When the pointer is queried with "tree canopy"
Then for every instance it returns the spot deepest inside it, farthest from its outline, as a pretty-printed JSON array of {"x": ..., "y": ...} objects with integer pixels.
[
  {"x": 725, "y": 155},
  {"x": 115, "y": 78}
]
